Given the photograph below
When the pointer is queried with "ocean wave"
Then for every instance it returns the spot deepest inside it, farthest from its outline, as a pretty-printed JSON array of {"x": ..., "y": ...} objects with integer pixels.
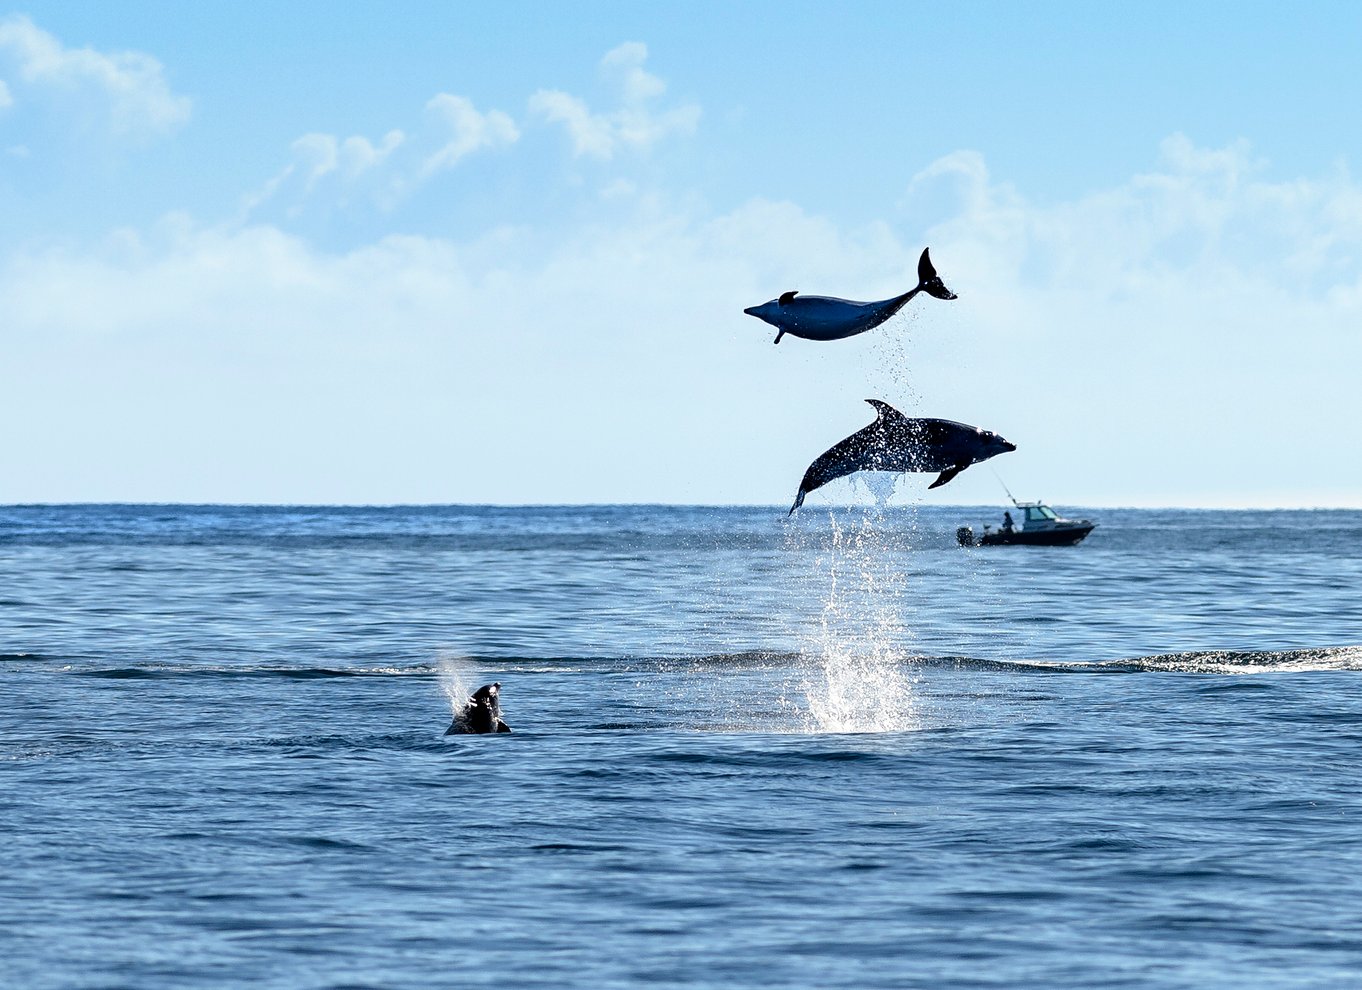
[
  {"x": 1302, "y": 660},
  {"x": 1332, "y": 658},
  {"x": 1245, "y": 662},
  {"x": 181, "y": 670}
]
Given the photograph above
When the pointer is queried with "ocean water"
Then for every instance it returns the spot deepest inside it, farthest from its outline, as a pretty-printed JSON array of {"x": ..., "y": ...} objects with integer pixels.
[{"x": 837, "y": 751}]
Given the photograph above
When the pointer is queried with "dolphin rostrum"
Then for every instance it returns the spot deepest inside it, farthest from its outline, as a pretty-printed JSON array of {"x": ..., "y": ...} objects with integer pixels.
[
  {"x": 894, "y": 442},
  {"x": 827, "y": 318}
]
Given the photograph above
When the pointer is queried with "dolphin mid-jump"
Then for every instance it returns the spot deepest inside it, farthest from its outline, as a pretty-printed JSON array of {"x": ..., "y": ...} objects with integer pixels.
[
  {"x": 894, "y": 442},
  {"x": 827, "y": 318}
]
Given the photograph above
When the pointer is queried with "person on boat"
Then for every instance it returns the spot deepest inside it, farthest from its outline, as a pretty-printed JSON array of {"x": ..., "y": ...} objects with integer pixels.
[{"x": 1007, "y": 521}]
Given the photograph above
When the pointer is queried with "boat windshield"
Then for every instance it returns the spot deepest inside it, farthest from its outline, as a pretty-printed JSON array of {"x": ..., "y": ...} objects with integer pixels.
[{"x": 1040, "y": 513}]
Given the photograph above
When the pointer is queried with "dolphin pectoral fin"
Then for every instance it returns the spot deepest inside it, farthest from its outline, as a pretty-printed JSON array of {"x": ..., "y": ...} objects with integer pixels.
[
  {"x": 947, "y": 475},
  {"x": 502, "y": 726},
  {"x": 787, "y": 297},
  {"x": 779, "y": 335},
  {"x": 928, "y": 281}
]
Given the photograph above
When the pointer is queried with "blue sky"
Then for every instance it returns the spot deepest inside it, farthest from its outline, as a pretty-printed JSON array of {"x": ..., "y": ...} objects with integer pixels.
[{"x": 466, "y": 253}]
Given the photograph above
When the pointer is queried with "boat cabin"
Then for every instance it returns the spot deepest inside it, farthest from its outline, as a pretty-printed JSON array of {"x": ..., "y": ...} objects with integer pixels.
[{"x": 1037, "y": 515}]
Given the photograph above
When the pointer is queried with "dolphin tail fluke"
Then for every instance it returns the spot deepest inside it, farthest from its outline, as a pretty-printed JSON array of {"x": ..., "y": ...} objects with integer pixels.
[
  {"x": 929, "y": 282},
  {"x": 947, "y": 475},
  {"x": 799, "y": 500}
]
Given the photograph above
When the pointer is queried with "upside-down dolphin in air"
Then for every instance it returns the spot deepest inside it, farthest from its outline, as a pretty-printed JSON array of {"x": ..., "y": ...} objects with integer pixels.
[
  {"x": 481, "y": 713},
  {"x": 828, "y": 318},
  {"x": 894, "y": 442}
]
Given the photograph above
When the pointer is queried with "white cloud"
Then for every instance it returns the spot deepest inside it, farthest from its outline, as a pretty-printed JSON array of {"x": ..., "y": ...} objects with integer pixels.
[
  {"x": 393, "y": 166},
  {"x": 320, "y": 155},
  {"x": 317, "y": 154},
  {"x": 469, "y": 129},
  {"x": 131, "y": 84},
  {"x": 635, "y": 125},
  {"x": 625, "y": 64},
  {"x": 1204, "y": 216},
  {"x": 613, "y": 361},
  {"x": 591, "y": 134},
  {"x": 446, "y": 369},
  {"x": 455, "y": 128},
  {"x": 358, "y": 155}
]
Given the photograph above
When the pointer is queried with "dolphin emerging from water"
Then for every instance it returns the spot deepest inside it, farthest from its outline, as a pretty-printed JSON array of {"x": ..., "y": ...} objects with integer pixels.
[
  {"x": 895, "y": 442},
  {"x": 827, "y": 318},
  {"x": 481, "y": 713}
]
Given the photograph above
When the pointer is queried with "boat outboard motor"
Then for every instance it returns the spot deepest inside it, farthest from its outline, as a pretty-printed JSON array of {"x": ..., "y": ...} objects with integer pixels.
[{"x": 964, "y": 535}]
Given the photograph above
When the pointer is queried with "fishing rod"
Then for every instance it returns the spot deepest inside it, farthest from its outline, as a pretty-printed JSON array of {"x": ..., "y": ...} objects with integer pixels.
[{"x": 1009, "y": 494}]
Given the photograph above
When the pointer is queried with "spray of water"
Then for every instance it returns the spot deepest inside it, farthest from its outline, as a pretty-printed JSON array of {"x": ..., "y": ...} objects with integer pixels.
[
  {"x": 856, "y": 678},
  {"x": 459, "y": 678},
  {"x": 891, "y": 377}
]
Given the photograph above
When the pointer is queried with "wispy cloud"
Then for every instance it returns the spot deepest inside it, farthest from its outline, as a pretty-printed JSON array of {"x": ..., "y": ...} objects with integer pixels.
[
  {"x": 453, "y": 129},
  {"x": 392, "y": 167},
  {"x": 636, "y": 124},
  {"x": 325, "y": 154},
  {"x": 131, "y": 86},
  {"x": 468, "y": 131}
]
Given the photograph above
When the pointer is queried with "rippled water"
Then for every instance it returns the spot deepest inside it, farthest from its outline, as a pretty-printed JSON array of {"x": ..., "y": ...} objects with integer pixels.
[{"x": 837, "y": 751}]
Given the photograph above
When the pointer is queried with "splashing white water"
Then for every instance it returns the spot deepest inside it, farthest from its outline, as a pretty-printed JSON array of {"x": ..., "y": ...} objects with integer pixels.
[
  {"x": 458, "y": 679},
  {"x": 857, "y": 680},
  {"x": 851, "y": 692}
]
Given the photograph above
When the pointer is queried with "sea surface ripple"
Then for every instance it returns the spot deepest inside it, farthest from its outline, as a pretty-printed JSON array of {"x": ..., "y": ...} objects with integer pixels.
[{"x": 838, "y": 751}]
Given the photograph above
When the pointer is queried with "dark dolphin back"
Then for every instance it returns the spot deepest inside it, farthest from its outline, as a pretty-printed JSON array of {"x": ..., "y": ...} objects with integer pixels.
[{"x": 895, "y": 442}]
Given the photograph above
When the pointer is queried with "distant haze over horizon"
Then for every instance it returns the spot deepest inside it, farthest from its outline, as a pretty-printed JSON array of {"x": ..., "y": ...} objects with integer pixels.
[{"x": 499, "y": 253}]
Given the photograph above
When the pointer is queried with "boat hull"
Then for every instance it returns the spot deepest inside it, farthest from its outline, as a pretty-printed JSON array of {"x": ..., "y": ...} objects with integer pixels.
[{"x": 1066, "y": 536}]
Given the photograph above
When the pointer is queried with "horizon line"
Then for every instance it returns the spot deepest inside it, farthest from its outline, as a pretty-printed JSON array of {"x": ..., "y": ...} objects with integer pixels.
[{"x": 123, "y": 503}]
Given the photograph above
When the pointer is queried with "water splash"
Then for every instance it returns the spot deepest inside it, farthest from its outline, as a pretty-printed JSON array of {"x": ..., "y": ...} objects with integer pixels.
[
  {"x": 459, "y": 677},
  {"x": 881, "y": 486},
  {"x": 854, "y": 692},
  {"x": 856, "y": 679},
  {"x": 891, "y": 373}
]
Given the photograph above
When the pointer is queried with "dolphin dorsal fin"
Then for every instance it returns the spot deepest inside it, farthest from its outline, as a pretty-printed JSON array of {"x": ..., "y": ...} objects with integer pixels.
[
  {"x": 787, "y": 297},
  {"x": 885, "y": 411}
]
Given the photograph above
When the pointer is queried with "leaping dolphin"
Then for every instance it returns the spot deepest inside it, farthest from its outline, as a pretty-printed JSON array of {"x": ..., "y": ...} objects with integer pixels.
[
  {"x": 894, "y": 442},
  {"x": 827, "y": 318}
]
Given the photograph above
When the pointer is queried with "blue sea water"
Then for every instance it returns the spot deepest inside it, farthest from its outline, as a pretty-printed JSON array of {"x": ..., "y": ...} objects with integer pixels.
[{"x": 838, "y": 751}]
